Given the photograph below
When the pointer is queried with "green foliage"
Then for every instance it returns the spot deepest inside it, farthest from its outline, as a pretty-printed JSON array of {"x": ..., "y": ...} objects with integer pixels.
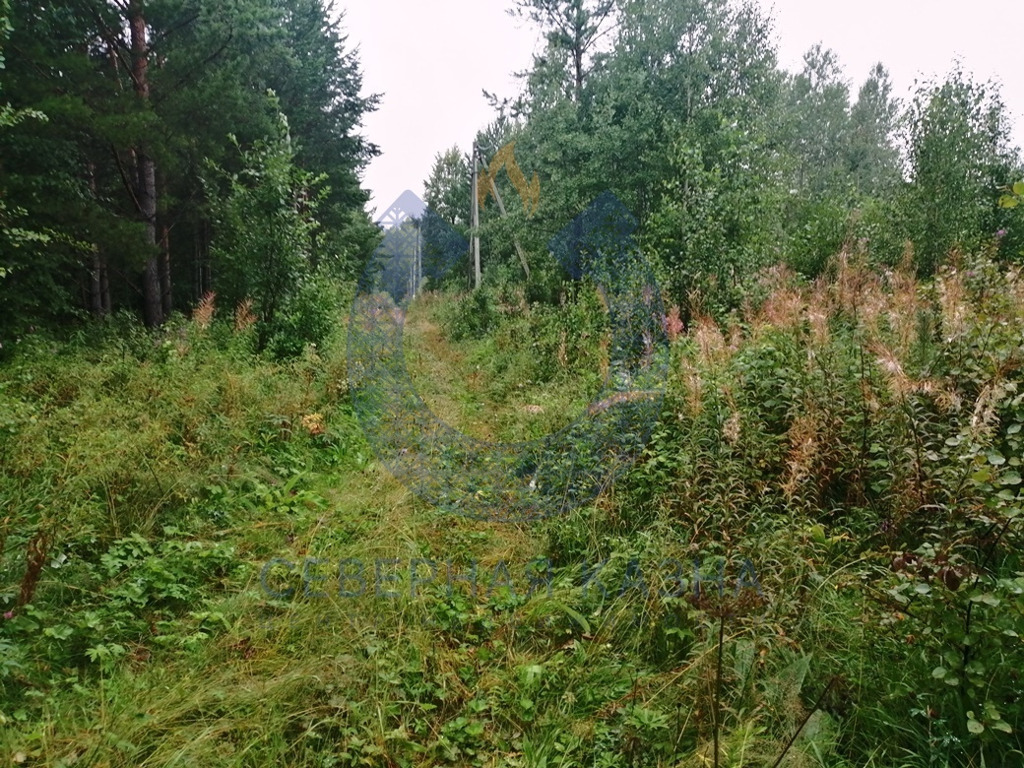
[
  {"x": 871, "y": 154},
  {"x": 472, "y": 315},
  {"x": 122, "y": 458},
  {"x": 12, "y": 236},
  {"x": 731, "y": 168},
  {"x": 137, "y": 589},
  {"x": 74, "y": 180},
  {"x": 307, "y": 316},
  {"x": 1013, "y": 196},
  {"x": 819, "y": 111},
  {"x": 572, "y": 30},
  {"x": 265, "y": 219},
  {"x": 525, "y": 345},
  {"x": 445, "y": 223},
  {"x": 958, "y": 156},
  {"x": 709, "y": 232},
  {"x": 445, "y": 191},
  {"x": 960, "y": 579},
  {"x": 856, "y": 439},
  {"x": 1011, "y": 238}
]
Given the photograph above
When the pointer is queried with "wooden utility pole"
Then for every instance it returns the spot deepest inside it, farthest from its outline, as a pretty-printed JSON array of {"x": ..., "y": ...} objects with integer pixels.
[
  {"x": 418, "y": 260},
  {"x": 475, "y": 204}
]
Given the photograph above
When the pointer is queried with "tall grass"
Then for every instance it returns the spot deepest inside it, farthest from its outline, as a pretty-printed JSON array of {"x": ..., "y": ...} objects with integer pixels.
[{"x": 825, "y": 518}]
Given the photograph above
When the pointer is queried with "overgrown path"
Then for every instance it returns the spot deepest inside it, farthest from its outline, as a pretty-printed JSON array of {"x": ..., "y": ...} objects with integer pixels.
[
  {"x": 233, "y": 580},
  {"x": 451, "y": 384}
]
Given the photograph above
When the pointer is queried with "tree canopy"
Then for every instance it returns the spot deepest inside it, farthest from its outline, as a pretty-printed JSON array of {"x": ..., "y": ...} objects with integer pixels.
[
  {"x": 729, "y": 162},
  {"x": 141, "y": 99}
]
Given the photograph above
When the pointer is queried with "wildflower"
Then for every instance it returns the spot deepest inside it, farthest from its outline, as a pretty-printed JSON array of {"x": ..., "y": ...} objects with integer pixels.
[
  {"x": 731, "y": 428},
  {"x": 1001, "y": 234},
  {"x": 244, "y": 316},
  {"x": 673, "y": 324},
  {"x": 202, "y": 316},
  {"x": 9, "y": 615},
  {"x": 314, "y": 424}
]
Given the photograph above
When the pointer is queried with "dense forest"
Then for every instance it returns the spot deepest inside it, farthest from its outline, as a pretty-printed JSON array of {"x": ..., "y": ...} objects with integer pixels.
[
  {"x": 156, "y": 151},
  {"x": 731, "y": 164},
  {"x": 813, "y": 559}
]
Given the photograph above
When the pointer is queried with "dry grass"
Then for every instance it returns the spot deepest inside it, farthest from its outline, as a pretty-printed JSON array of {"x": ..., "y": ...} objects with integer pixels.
[{"x": 202, "y": 315}]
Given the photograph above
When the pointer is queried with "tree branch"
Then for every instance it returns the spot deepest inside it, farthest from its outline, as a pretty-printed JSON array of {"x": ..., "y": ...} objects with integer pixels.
[
  {"x": 213, "y": 56},
  {"x": 128, "y": 185}
]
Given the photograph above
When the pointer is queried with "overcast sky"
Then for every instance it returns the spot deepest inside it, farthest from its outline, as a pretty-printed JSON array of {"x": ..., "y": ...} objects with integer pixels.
[{"x": 431, "y": 60}]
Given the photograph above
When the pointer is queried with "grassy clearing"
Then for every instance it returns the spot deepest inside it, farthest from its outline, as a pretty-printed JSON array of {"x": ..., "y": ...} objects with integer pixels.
[
  {"x": 481, "y": 385},
  {"x": 842, "y": 457}
]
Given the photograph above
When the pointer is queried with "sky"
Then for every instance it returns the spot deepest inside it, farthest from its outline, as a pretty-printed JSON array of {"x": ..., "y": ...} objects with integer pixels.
[{"x": 431, "y": 60}]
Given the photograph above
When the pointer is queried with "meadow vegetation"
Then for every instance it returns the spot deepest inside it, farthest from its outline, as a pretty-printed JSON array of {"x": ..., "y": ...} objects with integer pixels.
[
  {"x": 841, "y": 455},
  {"x": 816, "y": 560}
]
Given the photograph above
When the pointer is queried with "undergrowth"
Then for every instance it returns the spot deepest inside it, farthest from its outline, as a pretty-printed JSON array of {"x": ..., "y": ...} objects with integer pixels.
[{"x": 815, "y": 563}]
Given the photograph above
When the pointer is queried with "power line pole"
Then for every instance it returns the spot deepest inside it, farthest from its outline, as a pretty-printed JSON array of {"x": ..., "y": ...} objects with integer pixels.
[
  {"x": 475, "y": 204},
  {"x": 419, "y": 257}
]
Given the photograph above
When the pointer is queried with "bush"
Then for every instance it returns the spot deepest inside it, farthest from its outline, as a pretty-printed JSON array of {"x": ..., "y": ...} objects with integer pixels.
[
  {"x": 470, "y": 316},
  {"x": 308, "y": 316},
  {"x": 265, "y": 221}
]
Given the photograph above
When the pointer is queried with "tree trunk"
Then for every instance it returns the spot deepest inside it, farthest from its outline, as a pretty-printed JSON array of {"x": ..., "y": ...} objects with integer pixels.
[
  {"x": 96, "y": 284},
  {"x": 99, "y": 290},
  {"x": 201, "y": 280},
  {"x": 164, "y": 227},
  {"x": 104, "y": 285},
  {"x": 197, "y": 263},
  {"x": 145, "y": 192},
  {"x": 577, "y": 55},
  {"x": 166, "y": 296}
]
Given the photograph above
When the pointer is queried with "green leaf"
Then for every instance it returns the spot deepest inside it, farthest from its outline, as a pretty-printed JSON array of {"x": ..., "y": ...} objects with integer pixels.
[
  {"x": 982, "y": 476},
  {"x": 976, "y": 667},
  {"x": 939, "y": 672},
  {"x": 974, "y": 726},
  {"x": 60, "y": 632},
  {"x": 1010, "y": 478},
  {"x": 1018, "y": 188},
  {"x": 572, "y": 613}
]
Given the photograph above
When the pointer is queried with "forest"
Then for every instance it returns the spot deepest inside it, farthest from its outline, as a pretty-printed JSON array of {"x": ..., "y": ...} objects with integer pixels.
[{"x": 214, "y": 546}]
